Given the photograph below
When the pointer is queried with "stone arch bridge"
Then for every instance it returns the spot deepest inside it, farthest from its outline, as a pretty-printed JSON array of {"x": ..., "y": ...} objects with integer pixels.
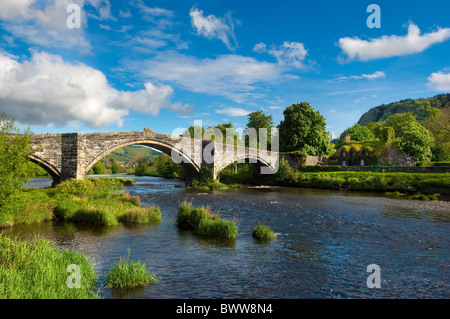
[{"x": 71, "y": 155}]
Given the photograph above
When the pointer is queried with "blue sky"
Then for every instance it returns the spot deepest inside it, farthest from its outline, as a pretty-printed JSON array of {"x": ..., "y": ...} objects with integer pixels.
[{"x": 163, "y": 64}]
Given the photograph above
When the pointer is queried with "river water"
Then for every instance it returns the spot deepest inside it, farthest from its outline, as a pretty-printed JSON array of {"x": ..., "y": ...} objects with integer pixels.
[{"x": 325, "y": 242}]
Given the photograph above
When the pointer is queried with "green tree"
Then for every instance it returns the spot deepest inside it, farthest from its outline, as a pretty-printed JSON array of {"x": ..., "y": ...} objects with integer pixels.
[
  {"x": 303, "y": 128},
  {"x": 259, "y": 120},
  {"x": 194, "y": 131},
  {"x": 438, "y": 123},
  {"x": 99, "y": 168},
  {"x": 411, "y": 137},
  {"x": 358, "y": 133},
  {"x": 115, "y": 168},
  {"x": 15, "y": 150}
]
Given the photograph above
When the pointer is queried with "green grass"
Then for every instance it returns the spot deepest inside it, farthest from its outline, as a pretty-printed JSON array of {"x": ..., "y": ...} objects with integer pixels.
[
  {"x": 373, "y": 181},
  {"x": 37, "y": 270},
  {"x": 98, "y": 201},
  {"x": 201, "y": 219},
  {"x": 425, "y": 197},
  {"x": 207, "y": 185},
  {"x": 128, "y": 274},
  {"x": 395, "y": 194},
  {"x": 263, "y": 232}
]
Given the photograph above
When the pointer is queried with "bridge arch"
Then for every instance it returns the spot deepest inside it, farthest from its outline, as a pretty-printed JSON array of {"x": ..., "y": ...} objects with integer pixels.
[
  {"x": 49, "y": 168},
  {"x": 247, "y": 158},
  {"x": 188, "y": 163}
]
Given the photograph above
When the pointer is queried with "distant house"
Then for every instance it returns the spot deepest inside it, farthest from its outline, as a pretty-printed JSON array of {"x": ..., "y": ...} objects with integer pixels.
[{"x": 370, "y": 153}]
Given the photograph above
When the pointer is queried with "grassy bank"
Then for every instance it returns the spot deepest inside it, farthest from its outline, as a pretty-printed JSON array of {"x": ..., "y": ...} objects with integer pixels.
[
  {"x": 204, "y": 222},
  {"x": 99, "y": 201},
  {"x": 370, "y": 181},
  {"x": 37, "y": 270}
]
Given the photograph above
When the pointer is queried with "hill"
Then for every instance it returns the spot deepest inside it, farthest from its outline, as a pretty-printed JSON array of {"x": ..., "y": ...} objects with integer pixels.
[
  {"x": 418, "y": 107},
  {"x": 128, "y": 154}
]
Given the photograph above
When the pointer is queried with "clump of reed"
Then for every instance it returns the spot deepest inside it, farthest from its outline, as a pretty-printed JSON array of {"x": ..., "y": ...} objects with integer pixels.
[
  {"x": 128, "y": 274},
  {"x": 263, "y": 232},
  {"x": 203, "y": 221}
]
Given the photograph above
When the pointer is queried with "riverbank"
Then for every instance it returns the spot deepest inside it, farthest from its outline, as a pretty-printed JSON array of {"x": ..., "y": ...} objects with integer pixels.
[{"x": 98, "y": 201}]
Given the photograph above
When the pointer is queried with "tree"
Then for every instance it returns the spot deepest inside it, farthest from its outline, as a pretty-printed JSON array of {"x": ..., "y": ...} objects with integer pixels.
[
  {"x": 99, "y": 168},
  {"x": 358, "y": 133},
  {"x": 224, "y": 129},
  {"x": 15, "y": 151},
  {"x": 411, "y": 137},
  {"x": 194, "y": 132},
  {"x": 438, "y": 123},
  {"x": 259, "y": 120},
  {"x": 115, "y": 168},
  {"x": 303, "y": 128}
]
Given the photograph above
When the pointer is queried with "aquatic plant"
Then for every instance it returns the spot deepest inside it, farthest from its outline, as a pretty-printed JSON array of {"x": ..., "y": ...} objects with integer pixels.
[
  {"x": 128, "y": 274},
  {"x": 263, "y": 232}
]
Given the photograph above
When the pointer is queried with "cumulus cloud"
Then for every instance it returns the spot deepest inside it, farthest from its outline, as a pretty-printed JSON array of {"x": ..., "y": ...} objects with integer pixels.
[
  {"x": 213, "y": 27},
  {"x": 260, "y": 47},
  {"x": 372, "y": 76},
  {"x": 287, "y": 54},
  {"x": 440, "y": 81},
  {"x": 233, "y": 76},
  {"x": 46, "y": 89},
  {"x": 290, "y": 53},
  {"x": 390, "y": 46},
  {"x": 45, "y": 24},
  {"x": 233, "y": 111}
]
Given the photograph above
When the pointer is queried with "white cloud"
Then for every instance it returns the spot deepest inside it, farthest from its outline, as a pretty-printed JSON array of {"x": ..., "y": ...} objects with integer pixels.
[
  {"x": 260, "y": 48},
  {"x": 375, "y": 75},
  {"x": 150, "y": 12},
  {"x": 390, "y": 46},
  {"x": 233, "y": 76},
  {"x": 287, "y": 54},
  {"x": 214, "y": 27},
  {"x": 439, "y": 81},
  {"x": 46, "y": 89},
  {"x": 290, "y": 53},
  {"x": 233, "y": 111},
  {"x": 104, "y": 10},
  {"x": 44, "y": 24}
]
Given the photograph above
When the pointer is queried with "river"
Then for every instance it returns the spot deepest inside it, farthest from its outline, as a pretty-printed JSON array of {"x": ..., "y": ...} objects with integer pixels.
[{"x": 325, "y": 242}]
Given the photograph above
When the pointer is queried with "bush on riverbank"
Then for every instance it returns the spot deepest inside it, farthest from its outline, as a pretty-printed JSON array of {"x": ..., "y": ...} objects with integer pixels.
[
  {"x": 128, "y": 274},
  {"x": 372, "y": 181},
  {"x": 201, "y": 219},
  {"x": 263, "y": 232},
  {"x": 36, "y": 270}
]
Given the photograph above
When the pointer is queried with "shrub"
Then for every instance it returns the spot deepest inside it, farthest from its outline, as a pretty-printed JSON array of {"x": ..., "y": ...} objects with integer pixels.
[{"x": 263, "y": 232}]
